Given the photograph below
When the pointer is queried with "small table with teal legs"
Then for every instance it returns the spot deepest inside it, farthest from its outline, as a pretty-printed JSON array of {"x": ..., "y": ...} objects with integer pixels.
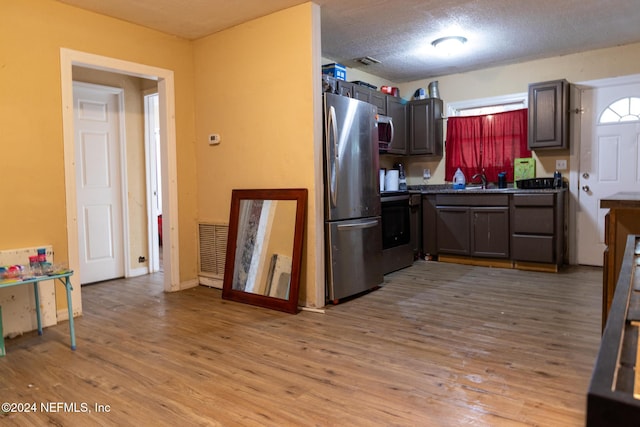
[{"x": 64, "y": 278}]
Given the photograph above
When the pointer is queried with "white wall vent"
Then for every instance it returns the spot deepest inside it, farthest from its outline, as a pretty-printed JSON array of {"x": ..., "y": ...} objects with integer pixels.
[{"x": 212, "y": 251}]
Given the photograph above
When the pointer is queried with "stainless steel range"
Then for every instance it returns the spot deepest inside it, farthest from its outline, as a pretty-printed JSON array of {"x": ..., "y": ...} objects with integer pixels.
[{"x": 397, "y": 252}]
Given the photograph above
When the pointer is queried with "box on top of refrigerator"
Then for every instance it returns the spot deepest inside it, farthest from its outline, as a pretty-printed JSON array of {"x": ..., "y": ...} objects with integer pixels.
[{"x": 336, "y": 70}]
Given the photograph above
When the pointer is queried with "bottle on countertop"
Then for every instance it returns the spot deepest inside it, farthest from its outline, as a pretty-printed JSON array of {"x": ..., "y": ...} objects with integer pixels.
[
  {"x": 459, "y": 181},
  {"x": 402, "y": 178},
  {"x": 502, "y": 180},
  {"x": 557, "y": 179}
]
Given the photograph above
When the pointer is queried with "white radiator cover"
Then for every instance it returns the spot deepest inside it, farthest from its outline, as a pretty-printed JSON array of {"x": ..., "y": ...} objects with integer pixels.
[
  {"x": 212, "y": 252},
  {"x": 18, "y": 302}
]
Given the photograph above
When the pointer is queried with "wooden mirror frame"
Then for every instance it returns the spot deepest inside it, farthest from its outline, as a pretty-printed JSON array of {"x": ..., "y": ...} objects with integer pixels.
[{"x": 289, "y": 305}]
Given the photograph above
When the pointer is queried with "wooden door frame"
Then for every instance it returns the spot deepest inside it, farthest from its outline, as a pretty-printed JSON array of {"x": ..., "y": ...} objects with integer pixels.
[
  {"x": 151, "y": 168},
  {"x": 166, "y": 88}
]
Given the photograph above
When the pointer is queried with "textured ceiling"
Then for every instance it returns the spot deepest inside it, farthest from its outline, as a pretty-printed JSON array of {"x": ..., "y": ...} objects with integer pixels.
[{"x": 399, "y": 32}]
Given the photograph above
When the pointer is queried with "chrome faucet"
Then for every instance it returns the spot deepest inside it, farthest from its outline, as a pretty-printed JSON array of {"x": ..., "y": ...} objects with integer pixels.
[{"x": 482, "y": 177}]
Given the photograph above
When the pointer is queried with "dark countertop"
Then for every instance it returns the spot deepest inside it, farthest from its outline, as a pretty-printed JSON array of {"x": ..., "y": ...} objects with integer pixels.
[
  {"x": 622, "y": 200},
  {"x": 448, "y": 189}
]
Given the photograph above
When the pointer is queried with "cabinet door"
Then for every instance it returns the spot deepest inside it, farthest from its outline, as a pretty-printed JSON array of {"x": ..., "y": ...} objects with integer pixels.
[
  {"x": 453, "y": 230},
  {"x": 429, "y": 225},
  {"x": 415, "y": 218},
  {"x": 345, "y": 88},
  {"x": 379, "y": 99},
  {"x": 362, "y": 93},
  {"x": 549, "y": 115},
  {"x": 490, "y": 232},
  {"x": 397, "y": 110},
  {"x": 425, "y": 128}
]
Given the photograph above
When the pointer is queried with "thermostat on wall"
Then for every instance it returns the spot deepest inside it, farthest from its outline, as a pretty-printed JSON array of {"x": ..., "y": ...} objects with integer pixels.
[{"x": 214, "y": 139}]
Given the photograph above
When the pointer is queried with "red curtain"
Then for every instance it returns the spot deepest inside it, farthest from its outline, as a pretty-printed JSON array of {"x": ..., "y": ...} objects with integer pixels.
[{"x": 490, "y": 142}]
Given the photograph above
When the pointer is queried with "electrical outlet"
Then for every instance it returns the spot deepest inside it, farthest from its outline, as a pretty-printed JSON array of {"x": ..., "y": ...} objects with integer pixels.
[
  {"x": 561, "y": 164},
  {"x": 426, "y": 173}
]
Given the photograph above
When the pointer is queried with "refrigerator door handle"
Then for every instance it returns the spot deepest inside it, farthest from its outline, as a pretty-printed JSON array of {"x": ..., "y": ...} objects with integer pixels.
[
  {"x": 333, "y": 128},
  {"x": 367, "y": 224}
]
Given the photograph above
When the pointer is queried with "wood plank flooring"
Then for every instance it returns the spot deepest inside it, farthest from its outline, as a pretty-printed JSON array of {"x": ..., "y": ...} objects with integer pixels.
[{"x": 438, "y": 345}]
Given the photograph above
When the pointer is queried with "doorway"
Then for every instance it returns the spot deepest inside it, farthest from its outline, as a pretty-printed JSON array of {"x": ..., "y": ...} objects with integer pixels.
[
  {"x": 165, "y": 81},
  {"x": 153, "y": 162},
  {"x": 100, "y": 185},
  {"x": 608, "y": 157}
]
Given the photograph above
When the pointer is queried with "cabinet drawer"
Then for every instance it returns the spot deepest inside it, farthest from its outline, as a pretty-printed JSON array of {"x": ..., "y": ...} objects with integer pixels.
[
  {"x": 533, "y": 220},
  {"x": 533, "y": 199},
  {"x": 467, "y": 199},
  {"x": 532, "y": 248}
]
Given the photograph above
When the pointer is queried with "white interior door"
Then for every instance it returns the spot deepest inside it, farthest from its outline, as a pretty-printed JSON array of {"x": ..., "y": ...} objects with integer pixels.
[
  {"x": 98, "y": 182},
  {"x": 609, "y": 159}
]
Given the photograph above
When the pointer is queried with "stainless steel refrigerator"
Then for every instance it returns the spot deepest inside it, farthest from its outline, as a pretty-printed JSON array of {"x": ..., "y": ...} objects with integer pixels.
[{"x": 353, "y": 230}]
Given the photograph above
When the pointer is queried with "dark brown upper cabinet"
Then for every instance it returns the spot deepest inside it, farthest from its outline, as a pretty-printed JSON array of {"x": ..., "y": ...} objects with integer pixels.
[
  {"x": 425, "y": 127},
  {"x": 397, "y": 110},
  {"x": 549, "y": 115}
]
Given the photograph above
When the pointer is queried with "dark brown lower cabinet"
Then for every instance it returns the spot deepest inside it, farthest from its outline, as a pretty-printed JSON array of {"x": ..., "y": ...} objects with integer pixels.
[
  {"x": 537, "y": 225},
  {"x": 429, "y": 226},
  {"x": 527, "y": 227},
  {"x": 490, "y": 232},
  {"x": 453, "y": 230},
  {"x": 479, "y": 228}
]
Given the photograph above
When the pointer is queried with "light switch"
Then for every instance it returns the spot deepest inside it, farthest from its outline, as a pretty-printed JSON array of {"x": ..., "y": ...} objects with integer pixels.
[{"x": 561, "y": 164}]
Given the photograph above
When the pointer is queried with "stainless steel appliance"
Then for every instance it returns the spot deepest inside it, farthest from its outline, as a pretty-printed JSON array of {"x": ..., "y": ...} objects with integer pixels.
[
  {"x": 385, "y": 132},
  {"x": 397, "y": 250},
  {"x": 353, "y": 227}
]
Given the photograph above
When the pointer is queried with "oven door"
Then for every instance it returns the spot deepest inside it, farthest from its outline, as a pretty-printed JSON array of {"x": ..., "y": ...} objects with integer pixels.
[{"x": 396, "y": 224}]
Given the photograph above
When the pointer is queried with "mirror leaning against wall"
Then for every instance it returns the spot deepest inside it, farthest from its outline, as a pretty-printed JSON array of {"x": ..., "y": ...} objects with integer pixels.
[{"x": 264, "y": 247}]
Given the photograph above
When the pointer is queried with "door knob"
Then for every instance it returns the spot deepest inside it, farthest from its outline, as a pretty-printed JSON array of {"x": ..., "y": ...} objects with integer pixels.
[{"x": 586, "y": 188}]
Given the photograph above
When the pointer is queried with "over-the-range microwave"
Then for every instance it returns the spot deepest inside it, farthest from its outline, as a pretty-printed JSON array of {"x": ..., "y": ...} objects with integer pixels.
[{"x": 385, "y": 132}]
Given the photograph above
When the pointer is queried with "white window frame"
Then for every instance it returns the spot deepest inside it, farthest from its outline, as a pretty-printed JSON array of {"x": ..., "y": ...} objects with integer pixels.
[{"x": 496, "y": 104}]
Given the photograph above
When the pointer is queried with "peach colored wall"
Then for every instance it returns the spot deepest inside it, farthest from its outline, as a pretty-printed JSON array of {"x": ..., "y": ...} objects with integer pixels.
[
  {"x": 31, "y": 142},
  {"x": 254, "y": 87}
]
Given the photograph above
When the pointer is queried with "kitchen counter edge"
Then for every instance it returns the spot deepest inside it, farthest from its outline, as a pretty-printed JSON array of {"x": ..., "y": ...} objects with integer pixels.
[{"x": 449, "y": 190}]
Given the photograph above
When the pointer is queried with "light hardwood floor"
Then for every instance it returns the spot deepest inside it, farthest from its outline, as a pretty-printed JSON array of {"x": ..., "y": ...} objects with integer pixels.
[{"x": 438, "y": 345}]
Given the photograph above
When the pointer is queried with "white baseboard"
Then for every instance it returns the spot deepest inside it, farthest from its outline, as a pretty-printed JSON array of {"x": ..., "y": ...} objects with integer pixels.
[
  {"x": 141, "y": 271},
  {"x": 188, "y": 284},
  {"x": 210, "y": 281}
]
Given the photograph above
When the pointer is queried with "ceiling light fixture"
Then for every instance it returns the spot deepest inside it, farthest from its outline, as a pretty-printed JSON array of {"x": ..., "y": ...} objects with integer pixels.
[{"x": 449, "y": 44}]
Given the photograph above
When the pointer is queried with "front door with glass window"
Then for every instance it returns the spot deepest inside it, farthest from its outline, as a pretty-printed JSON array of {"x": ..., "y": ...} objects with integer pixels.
[{"x": 609, "y": 161}]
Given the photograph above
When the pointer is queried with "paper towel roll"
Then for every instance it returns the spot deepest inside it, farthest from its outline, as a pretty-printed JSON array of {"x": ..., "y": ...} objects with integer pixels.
[
  {"x": 391, "y": 181},
  {"x": 382, "y": 174}
]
